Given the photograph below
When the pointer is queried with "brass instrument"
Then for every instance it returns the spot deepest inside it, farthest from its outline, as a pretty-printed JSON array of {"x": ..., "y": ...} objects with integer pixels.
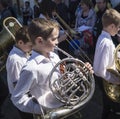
[
  {"x": 74, "y": 87},
  {"x": 71, "y": 31},
  {"x": 112, "y": 90},
  {"x": 7, "y": 39},
  {"x": 74, "y": 33}
]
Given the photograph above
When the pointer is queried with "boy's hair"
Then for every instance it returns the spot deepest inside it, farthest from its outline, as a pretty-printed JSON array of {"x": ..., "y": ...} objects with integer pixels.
[
  {"x": 41, "y": 27},
  {"x": 22, "y": 34},
  {"x": 111, "y": 16}
]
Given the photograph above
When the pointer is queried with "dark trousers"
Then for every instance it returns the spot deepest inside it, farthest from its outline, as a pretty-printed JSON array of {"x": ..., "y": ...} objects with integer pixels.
[
  {"x": 3, "y": 90},
  {"x": 23, "y": 115},
  {"x": 110, "y": 108}
]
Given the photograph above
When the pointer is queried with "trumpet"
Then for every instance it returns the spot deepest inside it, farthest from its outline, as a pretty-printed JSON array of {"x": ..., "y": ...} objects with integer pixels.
[{"x": 73, "y": 33}]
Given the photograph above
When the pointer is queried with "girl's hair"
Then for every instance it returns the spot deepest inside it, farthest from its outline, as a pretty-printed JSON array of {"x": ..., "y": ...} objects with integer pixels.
[
  {"x": 111, "y": 16},
  {"x": 22, "y": 34},
  {"x": 41, "y": 27}
]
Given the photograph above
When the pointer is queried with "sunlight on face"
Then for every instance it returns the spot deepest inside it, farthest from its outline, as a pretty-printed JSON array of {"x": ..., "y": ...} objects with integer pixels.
[{"x": 52, "y": 41}]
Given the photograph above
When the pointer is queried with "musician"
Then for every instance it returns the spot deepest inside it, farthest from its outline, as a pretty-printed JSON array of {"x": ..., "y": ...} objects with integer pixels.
[
  {"x": 34, "y": 75},
  {"x": 104, "y": 58},
  {"x": 16, "y": 60},
  {"x": 48, "y": 9}
]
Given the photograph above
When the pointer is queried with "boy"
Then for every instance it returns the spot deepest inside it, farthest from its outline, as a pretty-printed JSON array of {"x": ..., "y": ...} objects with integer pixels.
[
  {"x": 17, "y": 59},
  {"x": 44, "y": 35},
  {"x": 104, "y": 56}
]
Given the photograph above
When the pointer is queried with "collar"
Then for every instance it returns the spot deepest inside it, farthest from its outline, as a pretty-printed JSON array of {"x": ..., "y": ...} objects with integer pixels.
[
  {"x": 106, "y": 34},
  {"x": 18, "y": 51},
  {"x": 39, "y": 58}
]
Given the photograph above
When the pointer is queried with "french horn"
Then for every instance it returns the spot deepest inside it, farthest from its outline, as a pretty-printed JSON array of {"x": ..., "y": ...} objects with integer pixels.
[
  {"x": 74, "y": 87},
  {"x": 112, "y": 90},
  {"x": 7, "y": 38}
]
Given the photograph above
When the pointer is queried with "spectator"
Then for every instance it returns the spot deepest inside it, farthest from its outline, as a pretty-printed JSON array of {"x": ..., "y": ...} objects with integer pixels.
[
  {"x": 62, "y": 10},
  {"x": 4, "y": 12},
  {"x": 72, "y": 8},
  {"x": 86, "y": 17},
  {"x": 102, "y": 6},
  {"x": 27, "y": 13}
]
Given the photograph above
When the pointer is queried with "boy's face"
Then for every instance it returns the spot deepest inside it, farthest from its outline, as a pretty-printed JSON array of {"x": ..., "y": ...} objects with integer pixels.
[
  {"x": 25, "y": 47},
  {"x": 114, "y": 29}
]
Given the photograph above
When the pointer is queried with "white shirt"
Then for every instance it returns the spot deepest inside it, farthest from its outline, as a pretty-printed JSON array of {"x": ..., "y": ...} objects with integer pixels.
[
  {"x": 15, "y": 61},
  {"x": 34, "y": 78},
  {"x": 104, "y": 58}
]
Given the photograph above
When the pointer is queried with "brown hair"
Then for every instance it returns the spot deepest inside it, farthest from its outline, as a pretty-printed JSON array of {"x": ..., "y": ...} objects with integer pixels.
[
  {"x": 22, "y": 34},
  {"x": 41, "y": 27},
  {"x": 111, "y": 16}
]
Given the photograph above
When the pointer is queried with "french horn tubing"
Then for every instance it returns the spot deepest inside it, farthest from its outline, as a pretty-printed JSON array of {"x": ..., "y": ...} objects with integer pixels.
[
  {"x": 113, "y": 90},
  {"x": 7, "y": 39}
]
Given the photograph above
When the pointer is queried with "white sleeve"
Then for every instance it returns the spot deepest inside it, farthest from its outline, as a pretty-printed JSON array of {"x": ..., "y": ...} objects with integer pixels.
[
  {"x": 20, "y": 96},
  {"x": 101, "y": 63}
]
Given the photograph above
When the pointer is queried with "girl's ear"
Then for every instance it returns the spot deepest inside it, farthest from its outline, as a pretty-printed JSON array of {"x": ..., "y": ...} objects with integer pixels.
[{"x": 39, "y": 40}]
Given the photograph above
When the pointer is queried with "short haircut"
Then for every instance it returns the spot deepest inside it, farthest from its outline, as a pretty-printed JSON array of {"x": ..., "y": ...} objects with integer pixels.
[
  {"x": 22, "y": 34},
  {"x": 41, "y": 27},
  {"x": 111, "y": 16}
]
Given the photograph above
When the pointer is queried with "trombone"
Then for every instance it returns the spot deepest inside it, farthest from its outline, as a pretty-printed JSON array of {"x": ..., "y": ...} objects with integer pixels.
[{"x": 82, "y": 54}]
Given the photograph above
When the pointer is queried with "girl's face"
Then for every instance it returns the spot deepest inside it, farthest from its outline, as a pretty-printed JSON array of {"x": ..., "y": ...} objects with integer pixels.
[{"x": 51, "y": 42}]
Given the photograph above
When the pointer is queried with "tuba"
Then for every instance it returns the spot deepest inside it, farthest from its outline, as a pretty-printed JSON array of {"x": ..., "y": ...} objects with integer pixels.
[
  {"x": 7, "y": 39},
  {"x": 113, "y": 90},
  {"x": 74, "y": 87}
]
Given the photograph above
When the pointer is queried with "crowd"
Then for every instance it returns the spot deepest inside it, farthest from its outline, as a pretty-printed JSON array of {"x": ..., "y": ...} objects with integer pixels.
[{"x": 96, "y": 22}]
